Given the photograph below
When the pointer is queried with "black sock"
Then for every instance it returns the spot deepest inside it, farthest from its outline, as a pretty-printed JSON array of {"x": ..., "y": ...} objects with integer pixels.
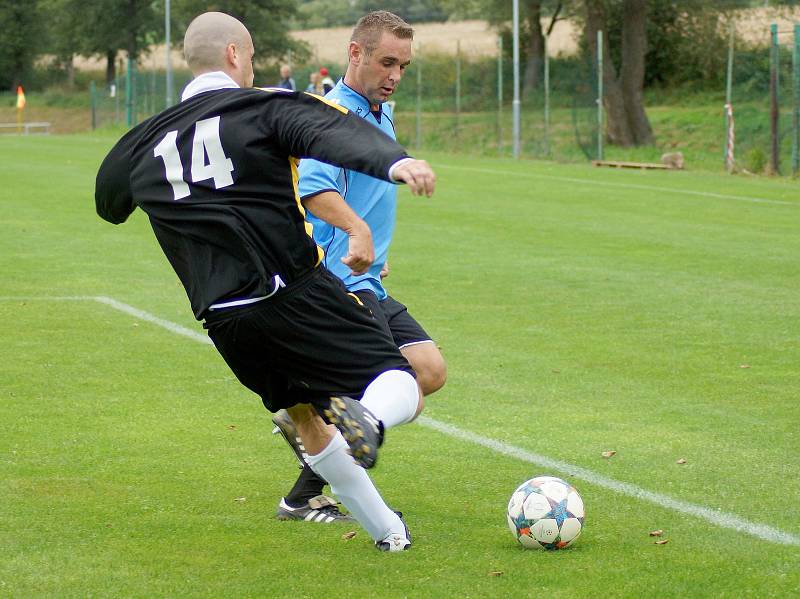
[{"x": 308, "y": 486}]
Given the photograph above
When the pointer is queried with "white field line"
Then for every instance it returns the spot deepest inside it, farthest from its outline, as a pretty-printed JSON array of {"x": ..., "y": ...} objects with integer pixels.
[
  {"x": 593, "y": 183},
  {"x": 716, "y": 517},
  {"x": 165, "y": 324},
  {"x": 721, "y": 519},
  {"x": 122, "y": 307}
]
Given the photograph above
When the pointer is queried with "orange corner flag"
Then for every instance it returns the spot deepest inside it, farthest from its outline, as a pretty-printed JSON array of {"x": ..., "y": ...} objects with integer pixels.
[{"x": 20, "y": 97}]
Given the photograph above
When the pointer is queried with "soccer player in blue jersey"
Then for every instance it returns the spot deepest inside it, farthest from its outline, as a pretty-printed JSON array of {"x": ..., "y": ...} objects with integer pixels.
[{"x": 353, "y": 217}]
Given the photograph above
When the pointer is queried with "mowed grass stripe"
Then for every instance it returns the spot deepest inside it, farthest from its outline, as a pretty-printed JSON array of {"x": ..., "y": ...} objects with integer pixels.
[
  {"x": 717, "y": 518},
  {"x": 625, "y": 185}
]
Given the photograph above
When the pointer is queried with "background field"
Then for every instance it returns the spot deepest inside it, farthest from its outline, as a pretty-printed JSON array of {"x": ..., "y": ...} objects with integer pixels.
[{"x": 580, "y": 310}]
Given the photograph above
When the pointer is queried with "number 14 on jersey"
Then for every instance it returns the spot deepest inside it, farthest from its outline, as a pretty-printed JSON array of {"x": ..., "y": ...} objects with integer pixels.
[{"x": 206, "y": 144}]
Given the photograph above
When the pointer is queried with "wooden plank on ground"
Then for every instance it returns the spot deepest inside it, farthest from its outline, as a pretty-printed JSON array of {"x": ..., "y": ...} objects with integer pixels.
[{"x": 621, "y": 164}]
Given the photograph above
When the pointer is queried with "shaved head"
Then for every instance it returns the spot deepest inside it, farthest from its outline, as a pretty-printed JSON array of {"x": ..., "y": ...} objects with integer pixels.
[{"x": 207, "y": 39}]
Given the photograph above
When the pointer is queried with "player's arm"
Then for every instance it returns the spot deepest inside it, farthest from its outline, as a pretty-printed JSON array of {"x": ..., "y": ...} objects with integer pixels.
[
  {"x": 311, "y": 127},
  {"x": 332, "y": 208},
  {"x": 112, "y": 193}
]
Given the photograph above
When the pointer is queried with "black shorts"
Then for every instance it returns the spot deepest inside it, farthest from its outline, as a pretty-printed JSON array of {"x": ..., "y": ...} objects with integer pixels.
[
  {"x": 308, "y": 342},
  {"x": 395, "y": 319}
]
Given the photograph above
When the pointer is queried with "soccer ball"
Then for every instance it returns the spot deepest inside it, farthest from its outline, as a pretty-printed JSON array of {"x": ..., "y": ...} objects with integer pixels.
[{"x": 545, "y": 513}]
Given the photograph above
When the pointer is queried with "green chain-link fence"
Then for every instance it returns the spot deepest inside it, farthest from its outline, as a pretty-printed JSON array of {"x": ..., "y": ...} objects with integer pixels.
[
  {"x": 462, "y": 103},
  {"x": 133, "y": 96},
  {"x": 763, "y": 86}
]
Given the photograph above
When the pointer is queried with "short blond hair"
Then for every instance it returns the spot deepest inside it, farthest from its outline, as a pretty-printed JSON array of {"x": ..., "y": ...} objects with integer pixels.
[{"x": 371, "y": 26}]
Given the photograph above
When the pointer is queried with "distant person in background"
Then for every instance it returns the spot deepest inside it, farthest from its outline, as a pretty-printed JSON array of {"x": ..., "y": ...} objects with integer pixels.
[
  {"x": 314, "y": 84},
  {"x": 286, "y": 81},
  {"x": 327, "y": 82}
]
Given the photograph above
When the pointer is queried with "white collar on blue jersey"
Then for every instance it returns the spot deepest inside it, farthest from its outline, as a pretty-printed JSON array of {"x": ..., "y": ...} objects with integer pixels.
[{"x": 208, "y": 82}]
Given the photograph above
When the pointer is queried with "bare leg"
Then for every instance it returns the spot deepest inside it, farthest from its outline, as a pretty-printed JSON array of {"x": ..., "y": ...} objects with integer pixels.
[
  {"x": 313, "y": 430},
  {"x": 428, "y": 362}
]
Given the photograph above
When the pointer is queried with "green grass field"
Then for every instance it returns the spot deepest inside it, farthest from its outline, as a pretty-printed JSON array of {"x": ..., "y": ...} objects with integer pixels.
[{"x": 580, "y": 311}]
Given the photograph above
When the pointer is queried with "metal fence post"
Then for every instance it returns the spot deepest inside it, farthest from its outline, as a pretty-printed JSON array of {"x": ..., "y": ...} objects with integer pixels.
[
  {"x": 129, "y": 94},
  {"x": 515, "y": 103},
  {"x": 775, "y": 158},
  {"x": 727, "y": 154},
  {"x": 546, "y": 99},
  {"x": 599, "y": 95},
  {"x": 117, "y": 91},
  {"x": 499, "y": 93},
  {"x": 419, "y": 97},
  {"x": 168, "y": 43},
  {"x": 93, "y": 94},
  {"x": 458, "y": 86},
  {"x": 796, "y": 103},
  {"x": 151, "y": 101}
]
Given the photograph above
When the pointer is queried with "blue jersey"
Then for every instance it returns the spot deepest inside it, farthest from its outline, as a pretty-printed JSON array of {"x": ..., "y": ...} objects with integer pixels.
[{"x": 373, "y": 200}]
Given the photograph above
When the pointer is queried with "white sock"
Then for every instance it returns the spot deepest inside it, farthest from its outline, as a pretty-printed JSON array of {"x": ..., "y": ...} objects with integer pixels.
[
  {"x": 393, "y": 397},
  {"x": 351, "y": 484}
]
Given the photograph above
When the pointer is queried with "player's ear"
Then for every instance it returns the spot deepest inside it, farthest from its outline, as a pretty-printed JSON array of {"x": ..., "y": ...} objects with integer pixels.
[
  {"x": 232, "y": 54},
  {"x": 355, "y": 52}
]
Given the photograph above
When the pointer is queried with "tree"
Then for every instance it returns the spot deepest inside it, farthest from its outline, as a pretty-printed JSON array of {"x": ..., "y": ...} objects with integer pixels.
[
  {"x": 688, "y": 40},
  {"x": 103, "y": 27},
  {"x": 413, "y": 11},
  {"x": 317, "y": 14},
  {"x": 536, "y": 45},
  {"x": 18, "y": 42},
  {"x": 649, "y": 42},
  {"x": 267, "y": 20},
  {"x": 344, "y": 13},
  {"x": 65, "y": 30},
  {"x": 532, "y": 34},
  {"x": 628, "y": 124}
]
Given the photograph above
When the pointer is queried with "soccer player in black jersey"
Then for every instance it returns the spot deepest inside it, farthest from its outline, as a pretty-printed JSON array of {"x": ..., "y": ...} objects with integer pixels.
[{"x": 217, "y": 177}]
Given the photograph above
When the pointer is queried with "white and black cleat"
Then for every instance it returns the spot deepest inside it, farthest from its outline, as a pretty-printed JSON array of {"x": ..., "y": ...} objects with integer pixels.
[
  {"x": 359, "y": 427},
  {"x": 395, "y": 541},
  {"x": 284, "y": 425},
  {"x": 321, "y": 509}
]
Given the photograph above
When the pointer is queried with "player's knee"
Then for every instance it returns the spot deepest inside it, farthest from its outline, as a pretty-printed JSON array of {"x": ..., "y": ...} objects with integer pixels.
[
  {"x": 429, "y": 365},
  {"x": 433, "y": 375}
]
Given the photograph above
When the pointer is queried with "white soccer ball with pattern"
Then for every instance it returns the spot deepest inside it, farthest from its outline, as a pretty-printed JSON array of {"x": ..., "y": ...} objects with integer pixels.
[{"x": 545, "y": 513}]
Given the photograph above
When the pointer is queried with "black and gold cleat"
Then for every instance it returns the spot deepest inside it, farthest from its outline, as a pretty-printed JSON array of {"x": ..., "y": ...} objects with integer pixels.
[{"x": 359, "y": 427}]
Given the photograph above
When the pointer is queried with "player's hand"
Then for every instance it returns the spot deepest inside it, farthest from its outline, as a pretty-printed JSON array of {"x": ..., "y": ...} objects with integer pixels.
[
  {"x": 360, "y": 250},
  {"x": 385, "y": 270},
  {"x": 418, "y": 175}
]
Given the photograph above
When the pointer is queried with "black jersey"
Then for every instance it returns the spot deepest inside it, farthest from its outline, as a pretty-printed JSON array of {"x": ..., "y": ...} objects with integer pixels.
[{"x": 217, "y": 176}]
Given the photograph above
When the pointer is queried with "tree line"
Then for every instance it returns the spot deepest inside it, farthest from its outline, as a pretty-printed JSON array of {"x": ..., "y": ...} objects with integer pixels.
[
  {"x": 645, "y": 42},
  {"x": 63, "y": 29}
]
